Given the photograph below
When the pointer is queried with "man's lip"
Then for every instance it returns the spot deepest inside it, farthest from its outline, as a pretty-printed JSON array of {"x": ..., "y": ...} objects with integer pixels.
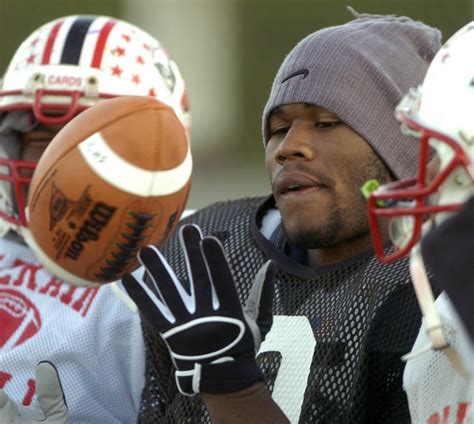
[{"x": 285, "y": 182}]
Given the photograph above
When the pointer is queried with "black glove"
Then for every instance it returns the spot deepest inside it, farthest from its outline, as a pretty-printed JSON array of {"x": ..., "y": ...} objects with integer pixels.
[{"x": 211, "y": 339}]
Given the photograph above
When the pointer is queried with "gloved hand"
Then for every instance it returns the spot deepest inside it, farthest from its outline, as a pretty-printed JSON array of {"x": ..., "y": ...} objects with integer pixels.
[
  {"x": 211, "y": 339},
  {"x": 51, "y": 402}
]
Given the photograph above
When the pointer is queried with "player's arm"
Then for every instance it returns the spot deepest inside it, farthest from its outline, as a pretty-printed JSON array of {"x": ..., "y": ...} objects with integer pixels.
[
  {"x": 448, "y": 251},
  {"x": 211, "y": 339},
  {"x": 251, "y": 405}
]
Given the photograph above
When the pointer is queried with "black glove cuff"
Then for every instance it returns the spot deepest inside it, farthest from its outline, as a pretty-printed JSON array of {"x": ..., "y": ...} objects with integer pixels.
[{"x": 228, "y": 377}]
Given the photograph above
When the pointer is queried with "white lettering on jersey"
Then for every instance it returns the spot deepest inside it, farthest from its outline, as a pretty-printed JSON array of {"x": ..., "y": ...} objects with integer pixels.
[{"x": 292, "y": 337}]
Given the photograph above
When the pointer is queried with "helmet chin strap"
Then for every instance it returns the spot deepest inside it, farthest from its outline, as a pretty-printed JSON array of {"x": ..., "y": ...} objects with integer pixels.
[{"x": 434, "y": 328}]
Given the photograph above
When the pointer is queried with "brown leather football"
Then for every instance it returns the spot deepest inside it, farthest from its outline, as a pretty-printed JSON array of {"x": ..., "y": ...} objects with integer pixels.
[{"x": 113, "y": 180}]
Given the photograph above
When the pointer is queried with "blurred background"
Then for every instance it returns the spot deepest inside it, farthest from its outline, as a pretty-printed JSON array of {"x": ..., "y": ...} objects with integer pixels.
[{"x": 228, "y": 52}]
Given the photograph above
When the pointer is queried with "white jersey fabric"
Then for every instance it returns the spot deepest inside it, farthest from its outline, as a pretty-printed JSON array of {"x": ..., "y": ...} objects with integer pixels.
[
  {"x": 93, "y": 337},
  {"x": 437, "y": 393}
]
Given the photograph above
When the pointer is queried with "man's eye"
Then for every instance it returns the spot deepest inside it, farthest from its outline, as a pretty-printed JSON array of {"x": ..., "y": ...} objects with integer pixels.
[
  {"x": 278, "y": 131},
  {"x": 327, "y": 124}
]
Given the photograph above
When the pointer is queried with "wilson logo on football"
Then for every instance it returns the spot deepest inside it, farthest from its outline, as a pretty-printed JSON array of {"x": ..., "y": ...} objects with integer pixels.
[
  {"x": 19, "y": 319},
  {"x": 97, "y": 219}
]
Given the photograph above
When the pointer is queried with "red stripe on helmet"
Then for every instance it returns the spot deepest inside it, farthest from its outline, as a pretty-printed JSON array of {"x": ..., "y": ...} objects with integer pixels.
[
  {"x": 99, "y": 47},
  {"x": 50, "y": 42}
]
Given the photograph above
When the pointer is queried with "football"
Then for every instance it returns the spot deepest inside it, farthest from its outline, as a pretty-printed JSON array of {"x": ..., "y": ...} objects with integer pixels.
[{"x": 115, "y": 179}]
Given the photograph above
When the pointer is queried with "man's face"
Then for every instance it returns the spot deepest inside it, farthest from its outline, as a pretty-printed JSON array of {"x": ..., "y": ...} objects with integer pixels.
[
  {"x": 317, "y": 165},
  {"x": 35, "y": 142}
]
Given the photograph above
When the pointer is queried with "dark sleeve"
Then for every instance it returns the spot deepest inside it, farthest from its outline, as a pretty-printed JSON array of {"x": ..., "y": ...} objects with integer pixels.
[
  {"x": 158, "y": 391},
  {"x": 448, "y": 251},
  {"x": 392, "y": 334}
]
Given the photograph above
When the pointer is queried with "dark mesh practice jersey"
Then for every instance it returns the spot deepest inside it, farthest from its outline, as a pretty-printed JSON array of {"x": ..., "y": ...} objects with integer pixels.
[{"x": 333, "y": 353}]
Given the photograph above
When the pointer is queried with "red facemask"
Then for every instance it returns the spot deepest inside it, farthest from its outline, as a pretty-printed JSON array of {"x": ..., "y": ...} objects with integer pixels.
[{"x": 407, "y": 202}]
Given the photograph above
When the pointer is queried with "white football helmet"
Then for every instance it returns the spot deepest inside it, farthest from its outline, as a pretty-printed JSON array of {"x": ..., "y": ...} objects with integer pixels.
[
  {"x": 64, "y": 67},
  {"x": 441, "y": 114}
]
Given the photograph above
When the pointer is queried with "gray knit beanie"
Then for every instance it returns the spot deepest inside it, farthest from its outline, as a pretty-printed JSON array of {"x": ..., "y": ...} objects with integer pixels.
[{"x": 360, "y": 71}]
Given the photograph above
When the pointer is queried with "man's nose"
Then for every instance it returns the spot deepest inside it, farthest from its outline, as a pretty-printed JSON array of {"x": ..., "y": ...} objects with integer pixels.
[{"x": 297, "y": 145}]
